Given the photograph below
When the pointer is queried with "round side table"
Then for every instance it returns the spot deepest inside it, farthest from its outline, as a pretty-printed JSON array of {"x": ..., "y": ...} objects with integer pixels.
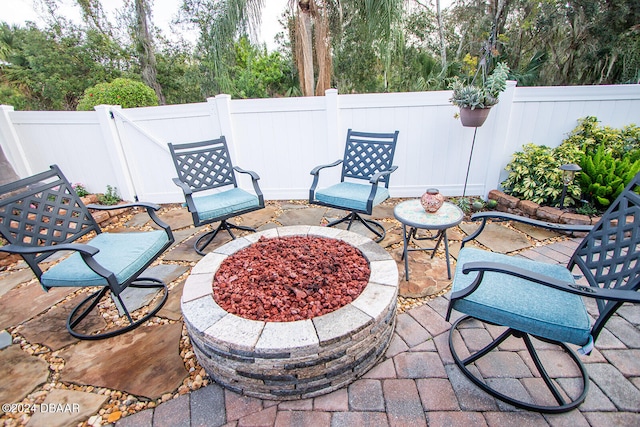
[{"x": 412, "y": 215}]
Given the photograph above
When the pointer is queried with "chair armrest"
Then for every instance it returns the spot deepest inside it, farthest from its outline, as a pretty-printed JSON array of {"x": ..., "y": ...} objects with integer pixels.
[
  {"x": 375, "y": 178},
  {"x": 585, "y": 291},
  {"x": 374, "y": 186},
  {"x": 151, "y": 211},
  {"x": 184, "y": 187},
  {"x": 32, "y": 250},
  {"x": 254, "y": 180},
  {"x": 254, "y": 176},
  {"x": 317, "y": 169},
  {"x": 125, "y": 206},
  {"x": 501, "y": 216},
  {"x": 187, "y": 194},
  {"x": 86, "y": 251},
  {"x": 316, "y": 177}
]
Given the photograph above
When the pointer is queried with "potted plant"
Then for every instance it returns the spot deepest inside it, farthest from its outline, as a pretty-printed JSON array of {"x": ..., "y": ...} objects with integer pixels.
[{"x": 475, "y": 100}]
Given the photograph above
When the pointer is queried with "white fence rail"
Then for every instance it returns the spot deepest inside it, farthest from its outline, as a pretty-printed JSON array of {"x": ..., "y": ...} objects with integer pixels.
[{"x": 283, "y": 139}]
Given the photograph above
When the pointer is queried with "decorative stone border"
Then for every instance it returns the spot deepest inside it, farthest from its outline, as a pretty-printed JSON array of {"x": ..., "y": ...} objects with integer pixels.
[
  {"x": 511, "y": 204},
  {"x": 292, "y": 360}
]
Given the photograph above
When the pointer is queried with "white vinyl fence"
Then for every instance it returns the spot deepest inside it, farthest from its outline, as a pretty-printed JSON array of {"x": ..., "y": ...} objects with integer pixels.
[{"x": 282, "y": 139}]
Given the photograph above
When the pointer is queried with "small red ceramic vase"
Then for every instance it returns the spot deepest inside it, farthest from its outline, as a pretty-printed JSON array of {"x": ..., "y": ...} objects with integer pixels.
[{"x": 432, "y": 200}]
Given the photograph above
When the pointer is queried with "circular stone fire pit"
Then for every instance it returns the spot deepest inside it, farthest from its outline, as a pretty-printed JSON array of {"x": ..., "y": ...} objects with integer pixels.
[{"x": 298, "y": 359}]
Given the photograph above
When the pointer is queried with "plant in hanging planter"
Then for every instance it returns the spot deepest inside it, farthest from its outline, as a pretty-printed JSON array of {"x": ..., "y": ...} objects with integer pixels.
[{"x": 476, "y": 99}]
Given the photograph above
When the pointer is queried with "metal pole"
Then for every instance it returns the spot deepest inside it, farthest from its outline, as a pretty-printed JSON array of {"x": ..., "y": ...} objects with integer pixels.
[
  {"x": 564, "y": 193},
  {"x": 464, "y": 190}
]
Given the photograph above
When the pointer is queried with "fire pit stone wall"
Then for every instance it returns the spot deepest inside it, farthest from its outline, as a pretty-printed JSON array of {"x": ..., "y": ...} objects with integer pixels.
[{"x": 292, "y": 360}]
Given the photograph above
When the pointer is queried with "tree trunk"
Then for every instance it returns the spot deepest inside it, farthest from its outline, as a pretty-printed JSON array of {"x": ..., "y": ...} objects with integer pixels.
[
  {"x": 323, "y": 53},
  {"x": 304, "y": 49},
  {"x": 443, "y": 46},
  {"x": 146, "y": 54}
]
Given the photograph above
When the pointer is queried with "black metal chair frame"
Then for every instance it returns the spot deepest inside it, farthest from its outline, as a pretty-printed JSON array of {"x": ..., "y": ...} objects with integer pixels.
[
  {"x": 608, "y": 258},
  {"x": 42, "y": 214},
  {"x": 205, "y": 166},
  {"x": 367, "y": 156}
]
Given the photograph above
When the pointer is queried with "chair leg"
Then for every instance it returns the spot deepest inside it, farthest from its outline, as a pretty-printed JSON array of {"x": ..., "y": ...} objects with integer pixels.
[
  {"x": 373, "y": 226},
  {"x": 80, "y": 311},
  {"x": 562, "y": 404},
  {"x": 209, "y": 236}
]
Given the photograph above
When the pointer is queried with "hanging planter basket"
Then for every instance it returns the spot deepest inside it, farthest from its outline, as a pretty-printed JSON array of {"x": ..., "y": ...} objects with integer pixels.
[{"x": 473, "y": 118}]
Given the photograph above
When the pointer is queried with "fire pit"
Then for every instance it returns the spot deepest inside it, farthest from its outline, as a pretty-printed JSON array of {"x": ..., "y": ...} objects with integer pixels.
[{"x": 286, "y": 360}]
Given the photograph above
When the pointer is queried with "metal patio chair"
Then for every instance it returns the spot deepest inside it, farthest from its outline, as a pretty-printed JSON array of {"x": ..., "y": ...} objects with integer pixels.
[
  {"x": 367, "y": 157},
  {"x": 545, "y": 301},
  {"x": 206, "y": 167},
  {"x": 42, "y": 214}
]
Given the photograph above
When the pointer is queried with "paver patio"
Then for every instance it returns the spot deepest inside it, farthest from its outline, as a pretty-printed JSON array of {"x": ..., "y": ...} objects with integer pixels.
[{"x": 415, "y": 383}]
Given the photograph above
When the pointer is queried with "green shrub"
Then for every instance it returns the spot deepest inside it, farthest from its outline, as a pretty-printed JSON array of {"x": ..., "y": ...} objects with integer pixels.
[
  {"x": 535, "y": 175},
  {"x": 588, "y": 136},
  {"x": 124, "y": 92},
  {"x": 604, "y": 176},
  {"x": 610, "y": 159}
]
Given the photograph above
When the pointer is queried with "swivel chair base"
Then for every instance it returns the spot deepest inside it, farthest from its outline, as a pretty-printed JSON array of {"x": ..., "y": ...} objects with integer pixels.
[
  {"x": 79, "y": 313},
  {"x": 562, "y": 404},
  {"x": 373, "y": 226},
  {"x": 209, "y": 236}
]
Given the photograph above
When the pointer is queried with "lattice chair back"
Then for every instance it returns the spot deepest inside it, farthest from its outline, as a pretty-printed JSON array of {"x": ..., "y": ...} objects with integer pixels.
[
  {"x": 366, "y": 154},
  {"x": 609, "y": 256},
  {"x": 43, "y": 210},
  {"x": 204, "y": 165}
]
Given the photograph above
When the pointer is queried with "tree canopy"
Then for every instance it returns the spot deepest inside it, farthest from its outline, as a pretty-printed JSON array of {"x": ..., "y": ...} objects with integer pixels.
[{"x": 355, "y": 45}]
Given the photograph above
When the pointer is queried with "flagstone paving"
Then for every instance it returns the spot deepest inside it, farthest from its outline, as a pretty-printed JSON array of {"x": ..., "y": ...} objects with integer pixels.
[
  {"x": 146, "y": 363},
  {"x": 498, "y": 237},
  {"x": 20, "y": 373},
  {"x": 415, "y": 383},
  {"x": 22, "y": 303},
  {"x": 49, "y": 328},
  {"x": 9, "y": 280},
  {"x": 64, "y": 408}
]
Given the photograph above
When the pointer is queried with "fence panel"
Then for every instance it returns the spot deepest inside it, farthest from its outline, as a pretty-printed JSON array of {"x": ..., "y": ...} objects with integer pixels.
[
  {"x": 72, "y": 140},
  {"x": 283, "y": 139},
  {"x": 145, "y": 133}
]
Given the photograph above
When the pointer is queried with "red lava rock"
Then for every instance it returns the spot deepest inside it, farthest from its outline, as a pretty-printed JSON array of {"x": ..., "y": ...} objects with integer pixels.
[{"x": 290, "y": 278}]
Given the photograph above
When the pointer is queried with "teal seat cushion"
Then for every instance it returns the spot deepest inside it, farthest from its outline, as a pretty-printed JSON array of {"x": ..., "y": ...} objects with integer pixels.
[
  {"x": 520, "y": 304},
  {"x": 225, "y": 204},
  {"x": 351, "y": 196},
  {"x": 124, "y": 254}
]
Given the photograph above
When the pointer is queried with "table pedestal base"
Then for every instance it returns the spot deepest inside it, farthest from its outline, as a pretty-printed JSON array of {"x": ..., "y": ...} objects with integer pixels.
[{"x": 439, "y": 237}]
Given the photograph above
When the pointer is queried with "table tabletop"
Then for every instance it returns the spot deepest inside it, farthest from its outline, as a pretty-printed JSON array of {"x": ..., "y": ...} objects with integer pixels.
[{"x": 413, "y": 214}]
